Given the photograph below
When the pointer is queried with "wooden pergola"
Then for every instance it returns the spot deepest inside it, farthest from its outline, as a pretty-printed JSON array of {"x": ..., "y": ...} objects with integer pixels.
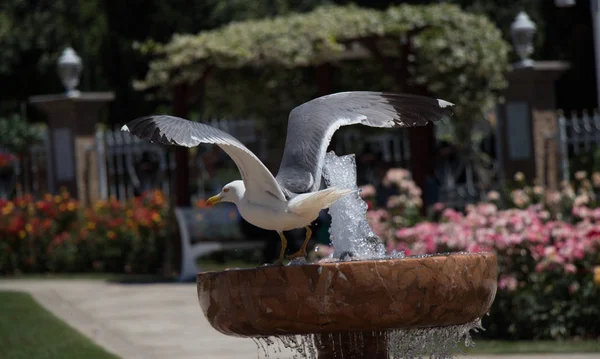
[{"x": 322, "y": 40}]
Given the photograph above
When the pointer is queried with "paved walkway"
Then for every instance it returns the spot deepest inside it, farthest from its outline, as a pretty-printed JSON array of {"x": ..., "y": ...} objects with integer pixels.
[{"x": 154, "y": 321}]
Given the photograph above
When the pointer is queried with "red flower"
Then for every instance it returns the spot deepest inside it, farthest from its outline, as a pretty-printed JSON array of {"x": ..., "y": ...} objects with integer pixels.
[{"x": 17, "y": 223}]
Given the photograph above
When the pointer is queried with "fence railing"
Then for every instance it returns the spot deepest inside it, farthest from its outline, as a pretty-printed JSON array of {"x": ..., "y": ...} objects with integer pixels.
[
  {"x": 578, "y": 134},
  {"x": 126, "y": 166},
  {"x": 30, "y": 173}
]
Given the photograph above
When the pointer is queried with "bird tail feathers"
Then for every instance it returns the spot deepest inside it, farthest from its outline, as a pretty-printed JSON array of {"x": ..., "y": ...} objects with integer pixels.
[{"x": 316, "y": 201}]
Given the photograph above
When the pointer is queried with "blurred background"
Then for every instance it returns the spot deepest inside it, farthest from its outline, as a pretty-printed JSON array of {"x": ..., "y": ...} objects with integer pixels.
[{"x": 515, "y": 171}]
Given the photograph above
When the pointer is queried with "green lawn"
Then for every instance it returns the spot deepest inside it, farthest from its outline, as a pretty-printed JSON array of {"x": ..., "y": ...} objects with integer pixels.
[
  {"x": 29, "y": 331},
  {"x": 533, "y": 347},
  {"x": 110, "y": 277}
]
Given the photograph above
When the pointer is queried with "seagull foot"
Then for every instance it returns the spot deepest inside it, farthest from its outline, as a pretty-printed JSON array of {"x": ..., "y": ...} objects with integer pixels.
[
  {"x": 297, "y": 261},
  {"x": 300, "y": 254}
]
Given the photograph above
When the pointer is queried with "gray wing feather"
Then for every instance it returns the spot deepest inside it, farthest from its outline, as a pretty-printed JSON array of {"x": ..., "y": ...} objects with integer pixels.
[
  {"x": 170, "y": 130},
  {"x": 312, "y": 124}
]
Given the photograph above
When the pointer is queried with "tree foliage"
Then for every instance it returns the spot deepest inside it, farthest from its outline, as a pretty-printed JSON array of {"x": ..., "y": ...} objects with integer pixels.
[
  {"x": 458, "y": 56},
  {"x": 18, "y": 135},
  {"x": 32, "y": 36}
]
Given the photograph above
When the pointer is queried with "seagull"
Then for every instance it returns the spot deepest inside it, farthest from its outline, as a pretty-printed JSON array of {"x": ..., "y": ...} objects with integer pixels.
[{"x": 293, "y": 198}]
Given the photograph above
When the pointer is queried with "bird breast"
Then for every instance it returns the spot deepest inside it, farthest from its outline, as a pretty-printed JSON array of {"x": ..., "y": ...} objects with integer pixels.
[{"x": 271, "y": 218}]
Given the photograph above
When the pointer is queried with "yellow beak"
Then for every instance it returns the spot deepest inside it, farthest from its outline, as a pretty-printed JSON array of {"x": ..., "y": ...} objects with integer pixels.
[{"x": 213, "y": 200}]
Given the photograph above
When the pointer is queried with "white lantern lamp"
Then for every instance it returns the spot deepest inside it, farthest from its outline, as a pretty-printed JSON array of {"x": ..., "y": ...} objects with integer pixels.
[
  {"x": 69, "y": 70},
  {"x": 522, "y": 31},
  {"x": 564, "y": 3}
]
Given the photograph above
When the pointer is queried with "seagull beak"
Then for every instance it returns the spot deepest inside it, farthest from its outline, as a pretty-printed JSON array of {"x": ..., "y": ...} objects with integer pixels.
[{"x": 213, "y": 200}]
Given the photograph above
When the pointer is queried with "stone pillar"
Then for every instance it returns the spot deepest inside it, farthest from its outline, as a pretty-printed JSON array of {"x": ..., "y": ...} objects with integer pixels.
[
  {"x": 71, "y": 124},
  {"x": 527, "y": 122}
]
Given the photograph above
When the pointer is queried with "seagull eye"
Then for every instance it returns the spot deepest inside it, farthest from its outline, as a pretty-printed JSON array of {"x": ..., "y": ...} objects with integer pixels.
[{"x": 225, "y": 190}]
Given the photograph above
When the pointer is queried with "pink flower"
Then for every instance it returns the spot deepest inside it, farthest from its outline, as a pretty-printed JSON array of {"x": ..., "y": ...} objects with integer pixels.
[
  {"x": 520, "y": 198},
  {"x": 570, "y": 268},
  {"x": 540, "y": 267},
  {"x": 581, "y": 200},
  {"x": 573, "y": 288},
  {"x": 580, "y": 175},
  {"x": 508, "y": 283},
  {"x": 538, "y": 190},
  {"x": 519, "y": 177},
  {"x": 596, "y": 179},
  {"x": 439, "y": 206},
  {"x": 493, "y": 196},
  {"x": 396, "y": 176},
  {"x": 367, "y": 191}
]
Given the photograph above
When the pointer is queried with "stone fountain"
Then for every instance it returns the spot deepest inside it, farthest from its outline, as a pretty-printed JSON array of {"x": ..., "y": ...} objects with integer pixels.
[{"x": 361, "y": 302}]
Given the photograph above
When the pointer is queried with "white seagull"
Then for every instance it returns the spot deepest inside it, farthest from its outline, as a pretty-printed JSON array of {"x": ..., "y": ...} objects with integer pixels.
[{"x": 293, "y": 199}]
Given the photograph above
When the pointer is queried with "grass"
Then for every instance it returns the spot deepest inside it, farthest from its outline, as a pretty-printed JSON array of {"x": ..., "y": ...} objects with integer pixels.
[
  {"x": 109, "y": 277},
  {"x": 29, "y": 331},
  {"x": 533, "y": 347}
]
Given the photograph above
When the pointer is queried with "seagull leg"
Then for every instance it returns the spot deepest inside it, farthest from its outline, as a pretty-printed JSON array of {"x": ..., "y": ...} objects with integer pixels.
[
  {"x": 283, "y": 247},
  {"x": 302, "y": 251}
]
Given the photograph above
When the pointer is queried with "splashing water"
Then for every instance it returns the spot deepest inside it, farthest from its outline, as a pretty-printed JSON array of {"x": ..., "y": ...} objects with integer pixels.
[
  {"x": 435, "y": 343},
  {"x": 351, "y": 234},
  {"x": 353, "y": 239}
]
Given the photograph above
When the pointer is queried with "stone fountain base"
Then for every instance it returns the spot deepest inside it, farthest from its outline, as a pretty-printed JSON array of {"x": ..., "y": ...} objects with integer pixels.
[{"x": 336, "y": 300}]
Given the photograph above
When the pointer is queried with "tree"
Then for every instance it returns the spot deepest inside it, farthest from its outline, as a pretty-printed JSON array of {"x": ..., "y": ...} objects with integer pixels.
[
  {"x": 32, "y": 36},
  {"x": 33, "y": 33}
]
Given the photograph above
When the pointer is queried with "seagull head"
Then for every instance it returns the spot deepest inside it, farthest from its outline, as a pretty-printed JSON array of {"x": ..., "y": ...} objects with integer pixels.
[{"x": 231, "y": 192}]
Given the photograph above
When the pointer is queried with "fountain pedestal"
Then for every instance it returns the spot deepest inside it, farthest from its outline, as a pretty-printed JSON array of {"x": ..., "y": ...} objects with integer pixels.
[
  {"x": 348, "y": 346},
  {"x": 335, "y": 300}
]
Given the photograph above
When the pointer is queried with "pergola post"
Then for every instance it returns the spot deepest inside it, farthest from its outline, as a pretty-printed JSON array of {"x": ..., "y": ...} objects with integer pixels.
[
  {"x": 323, "y": 74},
  {"x": 182, "y": 173},
  {"x": 421, "y": 139}
]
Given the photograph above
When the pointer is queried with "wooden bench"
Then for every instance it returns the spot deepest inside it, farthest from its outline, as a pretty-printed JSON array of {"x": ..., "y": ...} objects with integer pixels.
[{"x": 208, "y": 230}]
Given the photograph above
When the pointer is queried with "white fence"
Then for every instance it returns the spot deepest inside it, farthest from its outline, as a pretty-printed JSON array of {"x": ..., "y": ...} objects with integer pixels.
[
  {"x": 131, "y": 166},
  {"x": 577, "y": 135}
]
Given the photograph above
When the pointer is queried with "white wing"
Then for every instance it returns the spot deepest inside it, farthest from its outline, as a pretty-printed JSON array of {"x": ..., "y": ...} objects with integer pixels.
[
  {"x": 171, "y": 130},
  {"x": 311, "y": 125}
]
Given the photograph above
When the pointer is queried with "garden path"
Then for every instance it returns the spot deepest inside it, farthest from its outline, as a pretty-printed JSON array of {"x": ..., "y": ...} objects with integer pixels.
[{"x": 151, "y": 321}]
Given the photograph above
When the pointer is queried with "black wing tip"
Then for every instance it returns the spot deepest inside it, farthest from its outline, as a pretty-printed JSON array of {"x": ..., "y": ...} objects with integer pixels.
[
  {"x": 392, "y": 96},
  {"x": 423, "y": 109},
  {"x": 131, "y": 125},
  {"x": 146, "y": 128}
]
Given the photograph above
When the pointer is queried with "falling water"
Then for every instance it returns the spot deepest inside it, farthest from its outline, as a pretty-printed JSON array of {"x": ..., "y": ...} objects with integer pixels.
[
  {"x": 353, "y": 239},
  {"x": 435, "y": 343},
  {"x": 351, "y": 234}
]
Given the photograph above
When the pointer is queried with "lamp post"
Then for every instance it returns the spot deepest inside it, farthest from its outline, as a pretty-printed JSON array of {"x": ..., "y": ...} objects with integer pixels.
[
  {"x": 595, "y": 10},
  {"x": 72, "y": 117},
  {"x": 522, "y": 31},
  {"x": 69, "y": 70}
]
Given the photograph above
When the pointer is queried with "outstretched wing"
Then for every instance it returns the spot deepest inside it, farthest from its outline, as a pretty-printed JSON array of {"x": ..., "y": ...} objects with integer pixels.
[
  {"x": 171, "y": 130},
  {"x": 312, "y": 124}
]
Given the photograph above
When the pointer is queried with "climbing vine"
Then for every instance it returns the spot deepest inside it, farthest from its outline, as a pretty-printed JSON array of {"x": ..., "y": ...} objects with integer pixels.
[{"x": 458, "y": 56}]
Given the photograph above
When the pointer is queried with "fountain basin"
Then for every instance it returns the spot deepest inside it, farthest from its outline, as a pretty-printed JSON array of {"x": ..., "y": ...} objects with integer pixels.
[{"x": 352, "y": 296}]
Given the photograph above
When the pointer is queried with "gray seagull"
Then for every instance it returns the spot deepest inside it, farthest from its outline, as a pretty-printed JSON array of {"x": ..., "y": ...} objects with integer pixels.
[{"x": 293, "y": 198}]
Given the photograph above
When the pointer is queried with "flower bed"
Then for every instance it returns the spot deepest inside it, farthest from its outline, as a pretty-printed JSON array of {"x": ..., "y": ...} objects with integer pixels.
[
  {"x": 549, "y": 269},
  {"x": 548, "y": 246},
  {"x": 55, "y": 234}
]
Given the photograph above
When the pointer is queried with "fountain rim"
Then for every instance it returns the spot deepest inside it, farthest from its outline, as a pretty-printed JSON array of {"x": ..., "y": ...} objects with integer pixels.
[
  {"x": 337, "y": 264},
  {"x": 483, "y": 286}
]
